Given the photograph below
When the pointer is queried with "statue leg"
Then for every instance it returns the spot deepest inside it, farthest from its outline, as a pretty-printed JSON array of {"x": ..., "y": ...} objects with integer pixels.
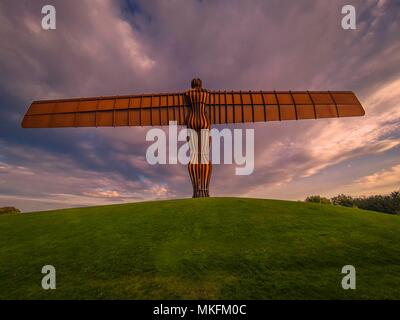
[
  {"x": 200, "y": 175},
  {"x": 199, "y": 166}
]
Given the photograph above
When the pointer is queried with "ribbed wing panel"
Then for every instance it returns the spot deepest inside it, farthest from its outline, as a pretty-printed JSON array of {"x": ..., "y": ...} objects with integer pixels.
[
  {"x": 134, "y": 110},
  {"x": 221, "y": 107},
  {"x": 251, "y": 106}
]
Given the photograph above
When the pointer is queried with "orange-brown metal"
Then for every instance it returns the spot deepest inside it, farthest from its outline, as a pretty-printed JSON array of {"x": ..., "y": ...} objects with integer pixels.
[
  {"x": 221, "y": 107},
  {"x": 199, "y": 165},
  {"x": 115, "y": 111},
  {"x": 197, "y": 109},
  {"x": 237, "y": 106}
]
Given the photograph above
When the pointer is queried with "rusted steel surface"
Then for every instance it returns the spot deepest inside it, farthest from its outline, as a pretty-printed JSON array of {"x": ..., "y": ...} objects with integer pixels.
[
  {"x": 221, "y": 107},
  {"x": 115, "y": 111},
  {"x": 199, "y": 142},
  {"x": 251, "y": 106}
]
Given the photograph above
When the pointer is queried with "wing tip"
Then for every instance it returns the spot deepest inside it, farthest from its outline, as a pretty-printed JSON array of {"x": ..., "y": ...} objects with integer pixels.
[{"x": 362, "y": 113}]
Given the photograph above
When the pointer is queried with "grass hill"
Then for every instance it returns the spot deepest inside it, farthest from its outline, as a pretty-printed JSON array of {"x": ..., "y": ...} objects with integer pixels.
[{"x": 214, "y": 248}]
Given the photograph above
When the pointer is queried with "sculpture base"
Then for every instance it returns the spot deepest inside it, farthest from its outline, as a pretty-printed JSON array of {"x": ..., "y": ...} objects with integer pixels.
[{"x": 201, "y": 194}]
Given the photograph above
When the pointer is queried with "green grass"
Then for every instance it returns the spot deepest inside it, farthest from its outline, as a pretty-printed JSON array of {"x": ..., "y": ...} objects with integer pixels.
[{"x": 216, "y": 248}]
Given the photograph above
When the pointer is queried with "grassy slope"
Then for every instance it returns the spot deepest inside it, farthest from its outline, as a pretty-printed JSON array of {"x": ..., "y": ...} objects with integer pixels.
[{"x": 201, "y": 248}]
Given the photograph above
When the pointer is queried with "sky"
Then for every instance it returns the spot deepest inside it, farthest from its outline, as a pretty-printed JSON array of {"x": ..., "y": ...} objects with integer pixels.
[{"x": 110, "y": 47}]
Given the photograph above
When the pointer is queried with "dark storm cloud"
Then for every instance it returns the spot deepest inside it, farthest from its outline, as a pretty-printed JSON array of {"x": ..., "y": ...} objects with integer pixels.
[{"x": 109, "y": 47}]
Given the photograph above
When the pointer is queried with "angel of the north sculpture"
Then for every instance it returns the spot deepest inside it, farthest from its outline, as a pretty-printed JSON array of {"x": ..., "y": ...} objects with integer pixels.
[{"x": 196, "y": 108}]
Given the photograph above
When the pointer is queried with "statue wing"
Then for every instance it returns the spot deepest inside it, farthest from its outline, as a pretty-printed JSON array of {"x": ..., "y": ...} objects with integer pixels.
[
  {"x": 255, "y": 106},
  {"x": 114, "y": 111}
]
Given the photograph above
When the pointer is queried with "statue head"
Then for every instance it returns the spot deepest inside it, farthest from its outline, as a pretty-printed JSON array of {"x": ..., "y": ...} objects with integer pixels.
[{"x": 196, "y": 83}]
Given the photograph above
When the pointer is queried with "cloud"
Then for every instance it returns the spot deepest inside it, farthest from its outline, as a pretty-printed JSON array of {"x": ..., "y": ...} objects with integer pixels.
[
  {"x": 383, "y": 181},
  {"x": 102, "y": 193},
  {"x": 7, "y": 168},
  {"x": 52, "y": 183}
]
